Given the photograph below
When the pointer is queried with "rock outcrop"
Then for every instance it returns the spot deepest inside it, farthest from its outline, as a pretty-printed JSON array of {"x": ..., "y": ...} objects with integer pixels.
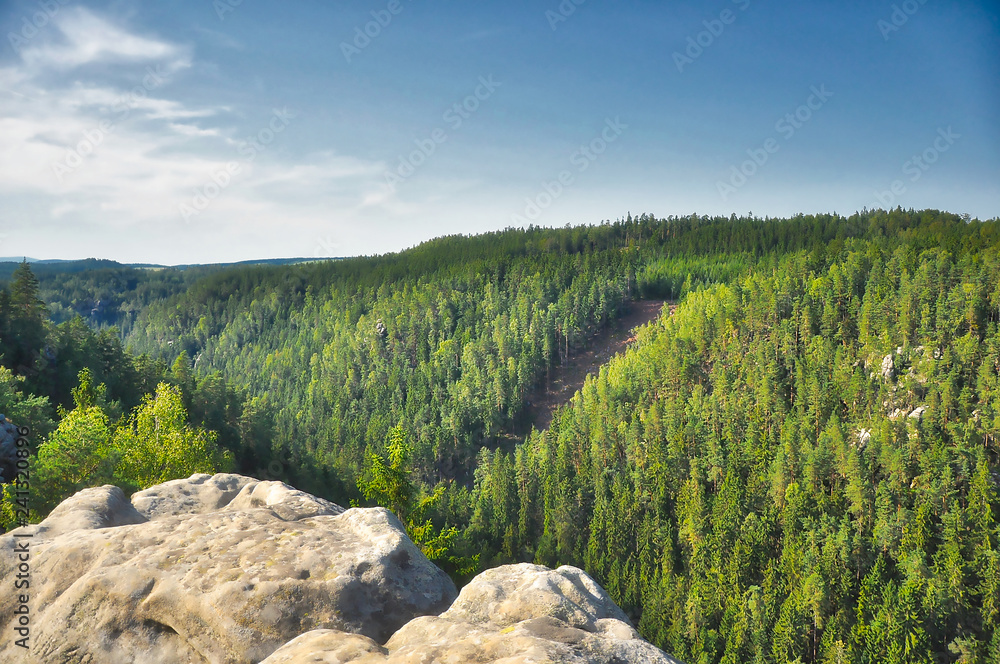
[
  {"x": 211, "y": 569},
  {"x": 228, "y": 569},
  {"x": 516, "y": 614},
  {"x": 8, "y": 449}
]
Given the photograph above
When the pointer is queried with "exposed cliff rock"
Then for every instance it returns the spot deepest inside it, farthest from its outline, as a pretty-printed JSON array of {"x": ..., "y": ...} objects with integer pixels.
[
  {"x": 8, "y": 449},
  {"x": 226, "y": 568},
  {"x": 516, "y": 614},
  {"x": 212, "y": 569}
]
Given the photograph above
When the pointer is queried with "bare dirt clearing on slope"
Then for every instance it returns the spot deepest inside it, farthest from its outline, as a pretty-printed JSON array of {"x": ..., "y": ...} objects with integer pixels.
[{"x": 569, "y": 377}]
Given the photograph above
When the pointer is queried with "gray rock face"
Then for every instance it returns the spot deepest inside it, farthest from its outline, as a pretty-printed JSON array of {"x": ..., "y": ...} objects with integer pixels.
[
  {"x": 508, "y": 595},
  {"x": 8, "y": 449},
  {"x": 211, "y": 569},
  {"x": 887, "y": 370},
  {"x": 509, "y": 615}
]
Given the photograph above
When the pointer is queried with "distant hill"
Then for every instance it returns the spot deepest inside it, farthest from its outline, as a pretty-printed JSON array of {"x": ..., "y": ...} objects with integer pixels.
[
  {"x": 48, "y": 267},
  {"x": 259, "y": 261},
  {"x": 52, "y": 266},
  {"x": 89, "y": 263},
  {"x": 106, "y": 292}
]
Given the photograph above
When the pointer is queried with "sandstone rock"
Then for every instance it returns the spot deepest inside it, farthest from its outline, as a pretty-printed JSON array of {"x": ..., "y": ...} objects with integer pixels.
[
  {"x": 203, "y": 493},
  {"x": 212, "y": 569},
  {"x": 197, "y": 494},
  {"x": 90, "y": 509},
  {"x": 508, "y": 615},
  {"x": 288, "y": 503},
  {"x": 327, "y": 646},
  {"x": 887, "y": 370},
  {"x": 507, "y": 595}
]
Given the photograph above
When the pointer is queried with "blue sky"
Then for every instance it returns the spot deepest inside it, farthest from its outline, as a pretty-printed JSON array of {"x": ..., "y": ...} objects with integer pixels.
[{"x": 201, "y": 131}]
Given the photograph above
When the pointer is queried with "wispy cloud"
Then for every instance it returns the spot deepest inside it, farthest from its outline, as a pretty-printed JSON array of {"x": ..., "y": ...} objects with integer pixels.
[
  {"x": 86, "y": 38},
  {"x": 107, "y": 153},
  {"x": 90, "y": 149}
]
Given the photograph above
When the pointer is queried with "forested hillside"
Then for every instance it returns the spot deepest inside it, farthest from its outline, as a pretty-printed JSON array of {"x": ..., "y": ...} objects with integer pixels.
[
  {"x": 798, "y": 465},
  {"x": 102, "y": 292},
  {"x": 99, "y": 414},
  {"x": 447, "y": 349},
  {"x": 107, "y": 293}
]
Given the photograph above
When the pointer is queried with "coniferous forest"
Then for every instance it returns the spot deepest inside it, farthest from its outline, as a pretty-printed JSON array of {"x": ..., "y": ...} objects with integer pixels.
[{"x": 796, "y": 462}]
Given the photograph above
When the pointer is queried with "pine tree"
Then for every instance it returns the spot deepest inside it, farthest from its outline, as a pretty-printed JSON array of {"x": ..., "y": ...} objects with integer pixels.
[{"x": 25, "y": 321}]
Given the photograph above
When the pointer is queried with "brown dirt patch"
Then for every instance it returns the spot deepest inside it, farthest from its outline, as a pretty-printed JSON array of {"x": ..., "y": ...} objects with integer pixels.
[{"x": 569, "y": 377}]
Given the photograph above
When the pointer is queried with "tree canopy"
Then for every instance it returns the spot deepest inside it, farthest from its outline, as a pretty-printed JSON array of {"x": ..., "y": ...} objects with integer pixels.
[{"x": 798, "y": 465}]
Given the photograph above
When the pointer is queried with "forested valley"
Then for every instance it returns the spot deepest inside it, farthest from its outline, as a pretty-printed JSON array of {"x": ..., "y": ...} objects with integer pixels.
[{"x": 799, "y": 464}]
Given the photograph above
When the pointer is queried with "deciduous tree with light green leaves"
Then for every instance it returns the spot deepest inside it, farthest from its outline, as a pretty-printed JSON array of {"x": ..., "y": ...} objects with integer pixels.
[
  {"x": 154, "y": 445},
  {"x": 157, "y": 444},
  {"x": 79, "y": 454}
]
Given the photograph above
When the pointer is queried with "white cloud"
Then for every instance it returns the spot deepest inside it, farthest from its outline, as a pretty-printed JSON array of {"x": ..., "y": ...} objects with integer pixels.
[
  {"x": 97, "y": 163},
  {"x": 88, "y": 38},
  {"x": 192, "y": 130},
  {"x": 320, "y": 170}
]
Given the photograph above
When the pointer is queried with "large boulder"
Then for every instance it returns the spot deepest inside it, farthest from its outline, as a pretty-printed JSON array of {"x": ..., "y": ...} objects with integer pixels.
[
  {"x": 219, "y": 569},
  {"x": 517, "y": 614}
]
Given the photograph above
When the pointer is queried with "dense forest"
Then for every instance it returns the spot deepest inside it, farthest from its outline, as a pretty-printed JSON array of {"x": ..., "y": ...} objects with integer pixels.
[
  {"x": 799, "y": 464},
  {"x": 110, "y": 294},
  {"x": 98, "y": 413}
]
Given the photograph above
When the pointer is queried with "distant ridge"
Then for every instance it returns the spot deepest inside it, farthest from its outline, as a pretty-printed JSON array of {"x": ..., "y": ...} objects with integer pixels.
[
  {"x": 102, "y": 262},
  {"x": 261, "y": 261}
]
